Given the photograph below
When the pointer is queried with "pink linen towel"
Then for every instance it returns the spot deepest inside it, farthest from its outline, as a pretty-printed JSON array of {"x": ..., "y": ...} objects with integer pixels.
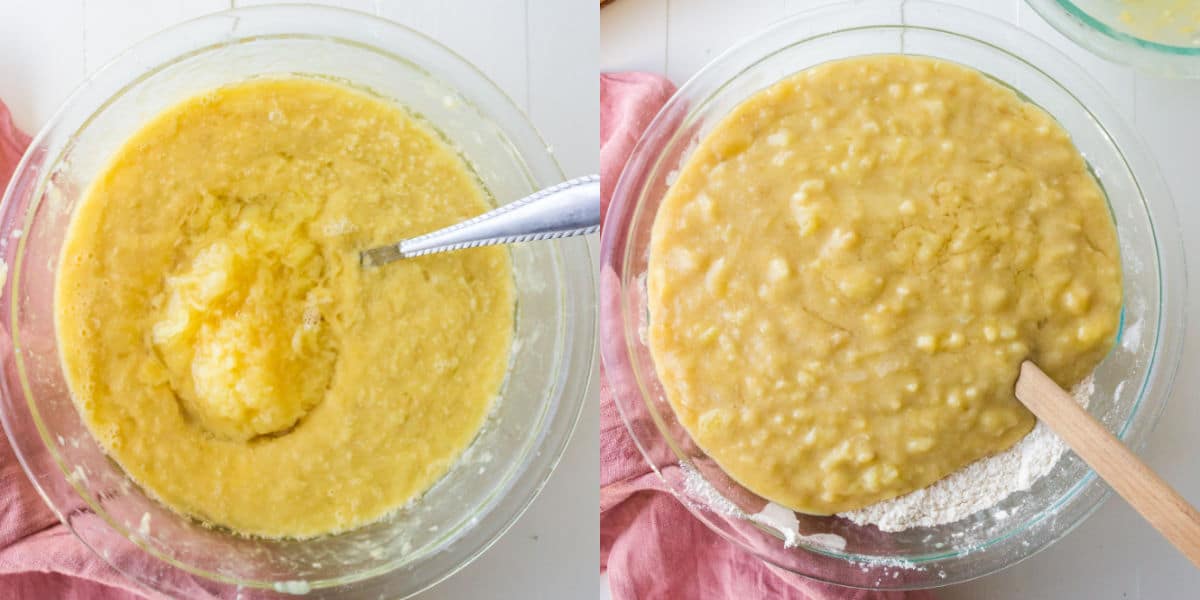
[{"x": 650, "y": 544}]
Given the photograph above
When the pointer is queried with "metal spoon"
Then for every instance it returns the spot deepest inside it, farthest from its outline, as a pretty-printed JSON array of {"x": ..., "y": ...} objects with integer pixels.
[{"x": 568, "y": 209}]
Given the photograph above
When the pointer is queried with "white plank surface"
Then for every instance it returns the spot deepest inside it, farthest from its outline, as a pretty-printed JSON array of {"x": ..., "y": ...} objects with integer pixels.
[
  {"x": 492, "y": 35},
  {"x": 699, "y": 30},
  {"x": 541, "y": 52},
  {"x": 633, "y": 36},
  {"x": 562, "y": 70},
  {"x": 110, "y": 26},
  {"x": 1113, "y": 554},
  {"x": 41, "y": 57}
]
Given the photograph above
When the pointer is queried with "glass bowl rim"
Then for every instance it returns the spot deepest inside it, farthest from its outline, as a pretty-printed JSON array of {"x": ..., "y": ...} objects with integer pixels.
[{"x": 1088, "y": 19}]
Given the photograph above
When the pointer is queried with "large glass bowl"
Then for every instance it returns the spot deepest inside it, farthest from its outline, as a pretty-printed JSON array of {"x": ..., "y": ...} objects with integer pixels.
[
  {"x": 501, "y": 472},
  {"x": 1139, "y": 34},
  {"x": 1132, "y": 383}
]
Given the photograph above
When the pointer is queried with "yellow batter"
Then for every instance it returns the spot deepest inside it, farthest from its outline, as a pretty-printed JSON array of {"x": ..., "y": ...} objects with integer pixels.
[
  {"x": 222, "y": 341},
  {"x": 850, "y": 268}
]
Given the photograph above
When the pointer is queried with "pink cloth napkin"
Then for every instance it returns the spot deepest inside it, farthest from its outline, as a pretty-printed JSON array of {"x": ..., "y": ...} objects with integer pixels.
[
  {"x": 13, "y": 142},
  {"x": 650, "y": 544},
  {"x": 39, "y": 557}
]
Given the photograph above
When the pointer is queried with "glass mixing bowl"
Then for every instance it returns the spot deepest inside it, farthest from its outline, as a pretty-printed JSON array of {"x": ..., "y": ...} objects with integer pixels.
[
  {"x": 501, "y": 472},
  {"x": 1132, "y": 383},
  {"x": 1158, "y": 36}
]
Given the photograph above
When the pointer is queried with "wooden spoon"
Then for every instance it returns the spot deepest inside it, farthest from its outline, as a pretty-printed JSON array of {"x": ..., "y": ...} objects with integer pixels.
[{"x": 1152, "y": 497}]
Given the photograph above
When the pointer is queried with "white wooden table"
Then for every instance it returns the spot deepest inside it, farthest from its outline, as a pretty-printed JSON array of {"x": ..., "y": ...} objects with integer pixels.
[
  {"x": 541, "y": 52},
  {"x": 1113, "y": 554}
]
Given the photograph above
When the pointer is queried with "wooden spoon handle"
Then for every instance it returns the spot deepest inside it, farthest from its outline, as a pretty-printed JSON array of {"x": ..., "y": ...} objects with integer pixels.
[{"x": 1143, "y": 489}]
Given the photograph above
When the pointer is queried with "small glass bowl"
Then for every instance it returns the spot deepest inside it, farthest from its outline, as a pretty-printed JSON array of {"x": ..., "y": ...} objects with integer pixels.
[
  {"x": 1132, "y": 383},
  {"x": 1129, "y": 34},
  {"x": 498, "y": 476}
]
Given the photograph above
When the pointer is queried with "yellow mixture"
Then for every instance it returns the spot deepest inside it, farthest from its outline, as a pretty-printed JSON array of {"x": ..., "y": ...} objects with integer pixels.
[
  {"x": 850, "y": 268},
  {"x": 221, "y": 339},
  {"x": 1172, "y": 22}
]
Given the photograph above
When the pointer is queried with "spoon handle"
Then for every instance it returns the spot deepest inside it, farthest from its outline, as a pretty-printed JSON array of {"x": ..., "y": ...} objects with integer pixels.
[
  {"x": 567, "y": 209},
  {"x": 1142, "y": 488}
]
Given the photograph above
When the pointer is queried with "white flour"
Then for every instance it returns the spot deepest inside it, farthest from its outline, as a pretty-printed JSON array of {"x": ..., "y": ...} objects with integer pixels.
[
  {"x": 774, "y": 516},
  {"x": 980, "y": 485}
]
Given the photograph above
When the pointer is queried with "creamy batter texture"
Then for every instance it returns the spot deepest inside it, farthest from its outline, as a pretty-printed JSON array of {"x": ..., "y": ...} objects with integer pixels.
[
  {"x": 222, "y": 341},
  {"x": 848, "y": 271}
]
